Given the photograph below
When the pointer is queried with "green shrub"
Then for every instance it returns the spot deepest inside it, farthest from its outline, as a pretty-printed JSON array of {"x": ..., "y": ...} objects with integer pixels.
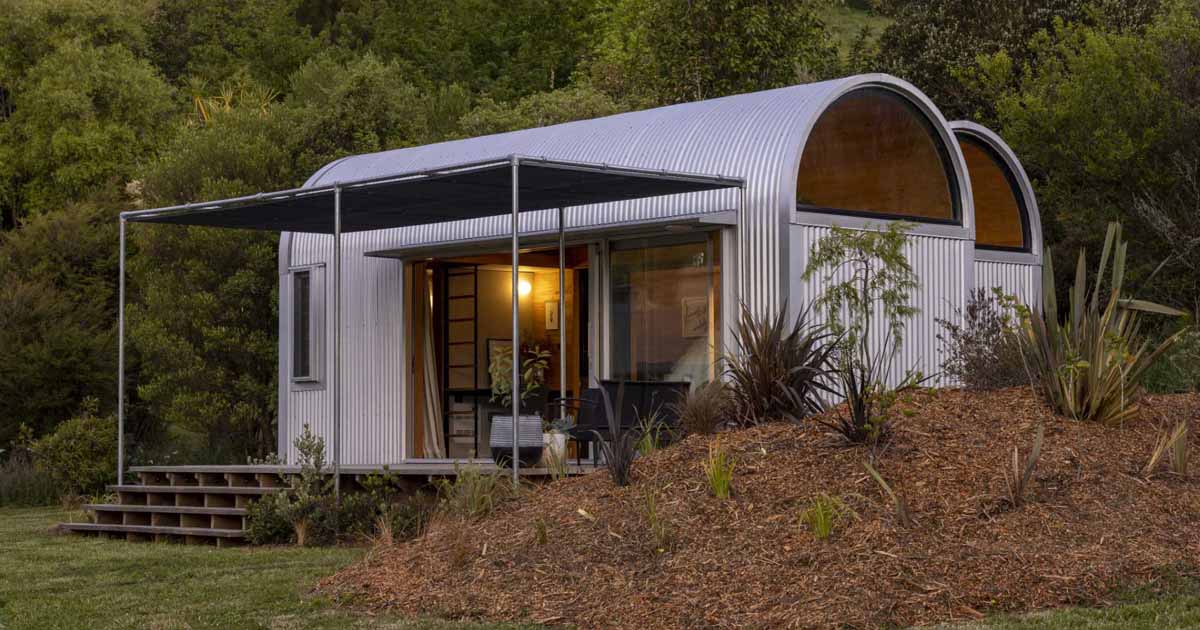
[
  {"x": 1178, "y": 371},
  {"x": 309, "y": 514},
  {"x": 471, "y": 493},
  {"x": 718, "y": 470},
  {"x": 984, "y": 351},
  {"x": 266, "y": 522},
  {"x": 776, "y": 371},
  {"x": 81, "y": 454},
  {"x": 865, "y": 272},
  {"x": 704, "y": 409},
  {"x": 1090, "y": 366},
  {"x": 22, "y": 483}
]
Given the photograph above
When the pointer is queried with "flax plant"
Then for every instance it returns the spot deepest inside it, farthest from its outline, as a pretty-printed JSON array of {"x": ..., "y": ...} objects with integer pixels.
[{"x": 1090, "y": 367}]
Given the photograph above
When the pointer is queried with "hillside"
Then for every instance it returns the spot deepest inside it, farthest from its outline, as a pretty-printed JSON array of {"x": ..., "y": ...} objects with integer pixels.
[{"x": 583, "y": 552}]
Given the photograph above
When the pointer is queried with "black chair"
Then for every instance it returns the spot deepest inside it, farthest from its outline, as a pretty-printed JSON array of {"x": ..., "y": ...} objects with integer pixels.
[{"x": 590, "y": 419}]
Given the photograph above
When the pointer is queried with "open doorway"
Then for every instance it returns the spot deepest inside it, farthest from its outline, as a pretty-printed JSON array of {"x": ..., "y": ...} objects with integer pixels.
[{"x": 461, "y": 312}]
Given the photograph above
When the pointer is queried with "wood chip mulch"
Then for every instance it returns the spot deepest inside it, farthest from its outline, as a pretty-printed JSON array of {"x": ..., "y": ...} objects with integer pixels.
[{"x": 1091, "y": 525}]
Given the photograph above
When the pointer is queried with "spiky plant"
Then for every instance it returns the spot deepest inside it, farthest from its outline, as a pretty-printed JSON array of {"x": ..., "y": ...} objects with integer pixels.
[
  {"x": 1090, "y": 367},
  {"x": 777, "y": 371},
  {"x": 1018, "y": 477},
  {"x": 622, "y": 446}
]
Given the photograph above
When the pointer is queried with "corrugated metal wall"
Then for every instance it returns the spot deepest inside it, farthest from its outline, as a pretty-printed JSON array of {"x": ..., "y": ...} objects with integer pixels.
[
  {"x": 373, "y": 327},
  {"x": 757, "y": 136},
  {"x": 1021, "y": 280},
  {"x": 943, "y": 266}
]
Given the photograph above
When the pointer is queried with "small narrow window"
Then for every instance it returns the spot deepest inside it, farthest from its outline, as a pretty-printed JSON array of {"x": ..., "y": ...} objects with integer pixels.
[{"x": 302, "y": 355}]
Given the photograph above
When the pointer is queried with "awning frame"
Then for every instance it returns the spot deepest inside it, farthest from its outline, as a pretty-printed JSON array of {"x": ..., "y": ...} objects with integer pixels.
[{"x": 335, "y": 190}]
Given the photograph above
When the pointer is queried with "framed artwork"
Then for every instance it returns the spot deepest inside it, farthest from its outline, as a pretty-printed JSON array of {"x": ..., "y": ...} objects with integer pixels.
[
  {"x": 552, "y": 315},
  {"x": 694, "y": 316}
]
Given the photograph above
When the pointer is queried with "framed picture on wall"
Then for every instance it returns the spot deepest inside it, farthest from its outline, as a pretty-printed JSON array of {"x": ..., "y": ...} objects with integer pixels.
[
  {"x": 552, "y": 315},
  {"x": 694, "y": 316}
]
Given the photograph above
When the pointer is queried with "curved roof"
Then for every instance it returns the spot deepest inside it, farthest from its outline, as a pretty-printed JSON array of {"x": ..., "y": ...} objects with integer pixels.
[
  {"x": 756, "y": 136},
  {"x": 993, "y": 140}
]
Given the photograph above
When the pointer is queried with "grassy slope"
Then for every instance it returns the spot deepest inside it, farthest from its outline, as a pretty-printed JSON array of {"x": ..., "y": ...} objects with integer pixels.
[{"x": 52, "y": 581}]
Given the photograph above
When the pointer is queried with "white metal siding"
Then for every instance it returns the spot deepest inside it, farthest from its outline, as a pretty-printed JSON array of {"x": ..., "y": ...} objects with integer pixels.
[
  {"x": 943, "y": 267},
  {"x": 1021, "y": 280},
  {"x": 372, "y": 333},
  {"x": 757, "y": 136}
]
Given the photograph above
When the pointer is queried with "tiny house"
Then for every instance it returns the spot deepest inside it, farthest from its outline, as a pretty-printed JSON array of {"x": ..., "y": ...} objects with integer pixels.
[{"x": 649, "y": 285}]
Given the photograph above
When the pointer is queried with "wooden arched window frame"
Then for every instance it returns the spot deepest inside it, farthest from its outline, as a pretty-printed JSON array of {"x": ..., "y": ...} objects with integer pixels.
[
  {"x": 1001, "y": 214},
  {"x": 874, "y": 153}
]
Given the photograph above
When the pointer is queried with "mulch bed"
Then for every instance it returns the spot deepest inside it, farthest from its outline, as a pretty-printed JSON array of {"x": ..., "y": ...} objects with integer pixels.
[{"x": 1091, "y": 525}]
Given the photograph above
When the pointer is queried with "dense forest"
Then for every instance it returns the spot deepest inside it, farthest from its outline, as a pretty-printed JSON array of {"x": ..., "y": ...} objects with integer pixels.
[{"x": 109, "y": 105}]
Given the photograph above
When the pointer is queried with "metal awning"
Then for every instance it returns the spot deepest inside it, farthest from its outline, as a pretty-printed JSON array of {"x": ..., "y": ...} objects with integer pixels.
[
  {"x": 512, "y": 184},
  {"x": 453, "y": 193}
]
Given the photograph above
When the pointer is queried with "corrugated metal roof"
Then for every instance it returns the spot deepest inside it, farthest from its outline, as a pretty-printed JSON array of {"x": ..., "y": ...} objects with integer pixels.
[{"x": 757, "y": 137}]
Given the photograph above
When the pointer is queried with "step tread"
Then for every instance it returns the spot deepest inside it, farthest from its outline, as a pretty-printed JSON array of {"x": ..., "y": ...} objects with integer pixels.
[
  {"x": 194, "y": 489},
  {"x": 154, "y": 529},
  {"x": 165, "y": 509}
]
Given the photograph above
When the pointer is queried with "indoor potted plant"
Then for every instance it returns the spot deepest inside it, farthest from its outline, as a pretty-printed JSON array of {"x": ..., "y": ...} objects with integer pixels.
[{"x": 534, "y": 362}]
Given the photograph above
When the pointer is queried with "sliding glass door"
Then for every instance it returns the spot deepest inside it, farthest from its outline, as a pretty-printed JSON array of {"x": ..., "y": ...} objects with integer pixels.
[{"x": 664, "y": 311}]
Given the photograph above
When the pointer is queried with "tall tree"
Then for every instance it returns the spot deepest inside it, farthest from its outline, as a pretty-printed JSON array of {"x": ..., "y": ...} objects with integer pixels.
[
  {"x": 81, "y": 118},
  {"x": 667, "y": 51},
  {"x": 933, "y": 42}
]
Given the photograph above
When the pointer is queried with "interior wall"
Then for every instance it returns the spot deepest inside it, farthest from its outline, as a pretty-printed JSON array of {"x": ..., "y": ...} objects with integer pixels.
[{"x": 873, "y": 152}]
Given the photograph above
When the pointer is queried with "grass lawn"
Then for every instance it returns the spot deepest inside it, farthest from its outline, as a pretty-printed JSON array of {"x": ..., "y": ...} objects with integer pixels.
[
  {"x": 53, "y": 581},
  {"x": 1137, "y": 610}
]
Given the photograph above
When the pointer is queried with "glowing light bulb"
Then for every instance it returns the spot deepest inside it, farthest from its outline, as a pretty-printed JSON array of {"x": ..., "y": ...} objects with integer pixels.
[{"x": 524, "y": 288}]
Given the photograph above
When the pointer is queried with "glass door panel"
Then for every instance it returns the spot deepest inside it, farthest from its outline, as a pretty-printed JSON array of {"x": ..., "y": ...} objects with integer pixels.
[{"x": 664, "y": 309}]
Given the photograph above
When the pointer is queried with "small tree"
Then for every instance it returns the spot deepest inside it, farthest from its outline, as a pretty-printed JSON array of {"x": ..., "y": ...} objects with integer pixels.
[{"x": 868, "y": 284}]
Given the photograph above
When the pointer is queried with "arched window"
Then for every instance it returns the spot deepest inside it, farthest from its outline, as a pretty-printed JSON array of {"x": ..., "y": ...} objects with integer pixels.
[
  {"x": 1001, "y": 218},
  {"x": 873, "y": 153}
]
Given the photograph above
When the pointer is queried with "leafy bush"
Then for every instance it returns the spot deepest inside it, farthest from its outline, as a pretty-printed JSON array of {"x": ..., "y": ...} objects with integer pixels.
[
  {"x": 308, "y": 513},
  {"x": 22, "y": 483},
  {"x": 865, "y": 272},
  {"x": 776, "y": 371},
  {"x": 1178, "y": 370},
  {"x": 267, "y": 524},
  {"x": 704, "y": 409},
  {"x": 81, "y": 454},
  {"x": 718, "y": 469},
  {"x": 472, "y": 493},
  {"x": 1091, "y": 366},
  {"x": 984, "y": 351},
  {"x": 823, "y": 514}
]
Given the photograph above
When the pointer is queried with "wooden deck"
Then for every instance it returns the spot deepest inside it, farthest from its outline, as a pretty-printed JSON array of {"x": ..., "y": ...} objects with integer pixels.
[
  {"x": 208, "y": 503},
  {"x": 406, "y": 469}
]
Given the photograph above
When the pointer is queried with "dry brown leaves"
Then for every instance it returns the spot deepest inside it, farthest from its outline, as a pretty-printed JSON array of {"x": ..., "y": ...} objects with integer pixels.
[{"x": 1091, "y": 524}]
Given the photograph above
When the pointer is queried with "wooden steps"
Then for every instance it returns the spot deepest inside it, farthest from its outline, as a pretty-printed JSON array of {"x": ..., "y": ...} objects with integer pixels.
[
  {"x": 158, "y": 533},
  {"x": 189, "y": 504}
]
